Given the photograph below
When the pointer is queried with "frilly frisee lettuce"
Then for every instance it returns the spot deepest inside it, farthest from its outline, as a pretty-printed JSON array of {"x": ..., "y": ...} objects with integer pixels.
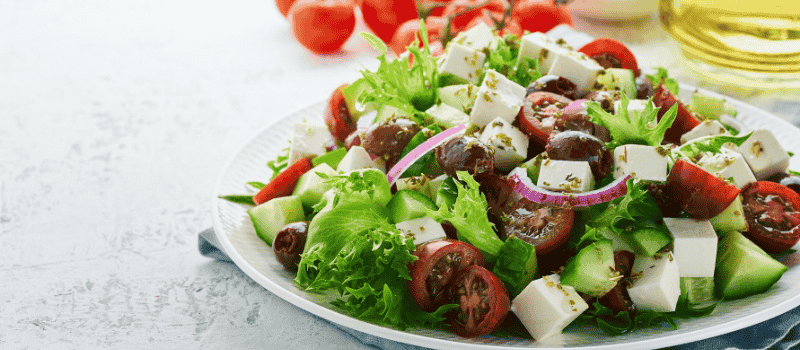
[
  {"x": 637, "y": 206},
  {"x": 468, "y": 216},
  {"x": 394, "y": 83},
  {"x": 505, "y": 59},
  {"x": 366, "y": 185},
  {"x": 628, "y": 127},
  {"x": 662, "y": 77},
  {"x": 709, "y": 145}
]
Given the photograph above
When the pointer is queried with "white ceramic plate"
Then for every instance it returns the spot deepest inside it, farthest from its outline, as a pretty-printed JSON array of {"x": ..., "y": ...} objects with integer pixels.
[{"x": 238, "y": 238}]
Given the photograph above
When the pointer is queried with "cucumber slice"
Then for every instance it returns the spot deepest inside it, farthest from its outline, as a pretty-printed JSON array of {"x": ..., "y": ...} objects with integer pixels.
[
  {"x": 459, "y": 96},
  {"x": 268, "y": 218},
  {"x": 407, "y": 205},
  {"x": 332, "y": 158},
  {"x": 591, "y": 271},
  {"x": 697, "y": 296},
  {"x": 744, "y": 269},
  {"x": 731, "y": 219},
  {"x": 534, "y": 166},
  {"x": 647, "y": 238},
  {"x": 386, "y": 112},
  {"x": 620, "y": 79},
  {"x": 311, "y": 186}
]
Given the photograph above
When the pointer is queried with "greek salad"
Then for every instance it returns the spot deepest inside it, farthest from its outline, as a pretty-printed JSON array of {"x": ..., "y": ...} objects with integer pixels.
[{"x": 515, "y": 185}]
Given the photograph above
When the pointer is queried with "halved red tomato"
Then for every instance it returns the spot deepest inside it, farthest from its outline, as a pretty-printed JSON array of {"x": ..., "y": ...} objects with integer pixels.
[
  {"x": 615, "y": 49},
  {"x": 283, "y": 184},
  {"x": 772, "y": 215},
  {"x": 701, "y": 194},
  {"x": 544, "y": 226},
  {"x": 438, "y": 263},
  {"x": 664, "y": 99},
  {"x": 482, "y": 299},
  {"x": 337, "y": 116},
  {"x": 539, "y": 114}
]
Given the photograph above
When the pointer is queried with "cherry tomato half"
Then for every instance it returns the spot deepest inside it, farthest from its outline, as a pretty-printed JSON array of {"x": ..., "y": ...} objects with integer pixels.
[
  {"x": 337, "y": 116},
  {"x": 322, "y": 26},
  {"x": 772, "y": 215},
  {"x": 612, "y": 48},
  {"x": 496, "y": 9},
  {"x": 544, "y": 226},
  {"x": 283, "y": 184},
  {"x": 539, "y": 114},
  {"x": 384, "y": 17},
  {"x": 539, "y": 15},
  {"x": 284, "y": 6},
  {"x": 408, "y": 31},
  {"x": 701, "y": 194},
  {"x": 664, "y": 99},
  {"x": 482, "y": 299},
  {"x": 438, "y": 263}
]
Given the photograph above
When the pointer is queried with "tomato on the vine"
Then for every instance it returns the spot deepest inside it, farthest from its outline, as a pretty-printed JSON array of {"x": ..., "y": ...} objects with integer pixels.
[
  {"x": 323, "y": 26},
  {"x": 482, "y": 299},
  {"x": 284, "y": 6},
  {"x": 701, "y": 194},
  {"x": 458, "y": 8},
  {"x": 614, "y": 51},
  {"x": 408, "y": 31},
  {"x": 539, "y": 15},
  {"x": 435, "y": 11},
  {"x": 438, "y": 263},
  {"x": 772, "y": 215},
  {"x": 383, "y": 17}
]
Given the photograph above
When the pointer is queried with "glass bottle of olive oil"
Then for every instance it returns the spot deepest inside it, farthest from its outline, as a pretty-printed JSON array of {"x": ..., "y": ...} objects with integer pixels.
[{"x": 755, "y": 36}]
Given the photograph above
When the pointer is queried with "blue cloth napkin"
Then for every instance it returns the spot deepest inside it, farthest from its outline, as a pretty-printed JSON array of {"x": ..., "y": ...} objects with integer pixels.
[{"x": 779, "y": 333}]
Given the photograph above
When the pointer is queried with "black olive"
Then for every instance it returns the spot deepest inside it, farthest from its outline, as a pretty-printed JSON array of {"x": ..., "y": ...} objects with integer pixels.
[
  {"x": 388, "y": 139},
  {"x": 607, "y": 61},
  {"x": 289, "y": 244},
  {"x": 644, "y": 87},
  {"x": 605, "y": 98},
  {"x": 553, "y": 84},
  {"x": 791, "y": 181},
  {"x": 580, "y": 146},
  {"x": 465, "y": 153}
]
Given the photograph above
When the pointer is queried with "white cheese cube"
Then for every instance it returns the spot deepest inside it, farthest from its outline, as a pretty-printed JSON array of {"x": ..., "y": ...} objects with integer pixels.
[
  {"x": 706, "y": 128},
  {"x": 728, "y": 165},
  {"x": 546, "y": 306},
  {"x": 572, "y": 37},
  {"x": 764, "y": 154},
  {"x": 423, "y": 230},
  {"x": 733, "y": 123},
  {"x": 447, "y": 116},
  {"x": 478, "y": 37},
  {"x": 644, "y": 162},
  {"x": 695, "y": 246},
  {"x": 510, "y": 145},
  {"x": 657, "y": 282},
  {"x": 541, "y": 47},
  {"x": 637, "y": 106},
  {"x": 463, "y": 62},
  {"x": 578, "y": 68},
  {"x": 356, "y": 158},
  {"x": 497, "y": 97},
  {"x": 308, "y": 140},
  {"x": 566, "y": 175}
]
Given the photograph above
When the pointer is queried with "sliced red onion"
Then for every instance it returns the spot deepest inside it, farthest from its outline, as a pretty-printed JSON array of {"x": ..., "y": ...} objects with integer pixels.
[
  {"x": 421, "y": 150},
  {"x": 522, "y": 184},
  {"x": 576, "y": 106}
]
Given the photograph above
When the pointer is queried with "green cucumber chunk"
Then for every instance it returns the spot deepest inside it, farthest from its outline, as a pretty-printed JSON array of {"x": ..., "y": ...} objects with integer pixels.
[
  {"x": 447, "y": 116},
  {"x": 620, "y": 79},
  {"x": 534, "y": 165},
  {"x": 698, "y": 296},
  {"x": 646, "y": 238},
  {"x": 311, "y": 186},
  {"x": 408, "y": 205},
  {"x": 744, "y": 269},
  {"x": 386, "y": 112},
  {"x": 459, "y": 96},
  {"x": 730, "y": 219},
  {"x": 331, "y": 158},
  {"x": 516, "y": 265},
  {"x": 591, "y": 271},
  {"x": 709, "y": 107},
  {"x": 427, "y": 163},
  {"x": 270, "y": 217}
]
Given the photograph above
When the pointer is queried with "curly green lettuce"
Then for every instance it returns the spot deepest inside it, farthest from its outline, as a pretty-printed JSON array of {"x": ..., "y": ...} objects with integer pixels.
[{"x": 628, "y": 127}]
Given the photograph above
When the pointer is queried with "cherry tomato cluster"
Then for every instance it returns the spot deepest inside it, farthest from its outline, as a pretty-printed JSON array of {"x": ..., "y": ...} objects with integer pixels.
[{"x": 323, "y": 26}]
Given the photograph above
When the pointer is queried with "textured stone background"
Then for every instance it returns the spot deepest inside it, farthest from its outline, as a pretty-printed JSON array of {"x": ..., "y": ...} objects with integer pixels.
[{"x": 115, "y": 118}]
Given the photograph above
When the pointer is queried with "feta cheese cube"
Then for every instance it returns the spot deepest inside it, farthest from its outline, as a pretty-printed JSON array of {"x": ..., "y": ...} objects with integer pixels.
[
  {"x": 356, "y": 158},
  {"x": 637, "y": 106},
  {"x": 566, "y": 175},
  {"x": 478, "y": 37},
  {"x": 695, "y": 246},
  {"x": 423, "y": 230},
  {"x": 546, "y": 306},
  {"x": 572, "y": 37},
  {"x": 657, "y": 282},
  {"x": 764, "y": 154},
  {"x": 308, "y": 140},
  {"x": 447, "y": 116},
  {"x": 463, "y": 62},
  {"x": 497, "y": 97},
  {"x": 727, "y": 165},
  {"x": 578, "y": 68},
  {"x": 644, "y": 162},
  {"x": 706, "y": 128},
  {"x": 510, "y": 145},
  {"x": 541, "y": 47}
]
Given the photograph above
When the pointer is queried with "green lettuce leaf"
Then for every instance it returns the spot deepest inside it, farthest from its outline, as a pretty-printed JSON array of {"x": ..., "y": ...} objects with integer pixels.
[
  {"x": 707, "y": 146},
  {"x": 427, "y": 163},
  {"x": 394, "y": 83},
  {"x": 638, "y": 205},
  {"x": 367, "y": 185},
  {"x": 516, "y": 265},
  {"x": 626, "y": 127},
  {"x": 661, "y": 76},
  {"x": 280, "y": 163},
  {"x": 621, "y": 322},
  {"x": 504, "y": 59},
  {"x": 468, "y": 216}
]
